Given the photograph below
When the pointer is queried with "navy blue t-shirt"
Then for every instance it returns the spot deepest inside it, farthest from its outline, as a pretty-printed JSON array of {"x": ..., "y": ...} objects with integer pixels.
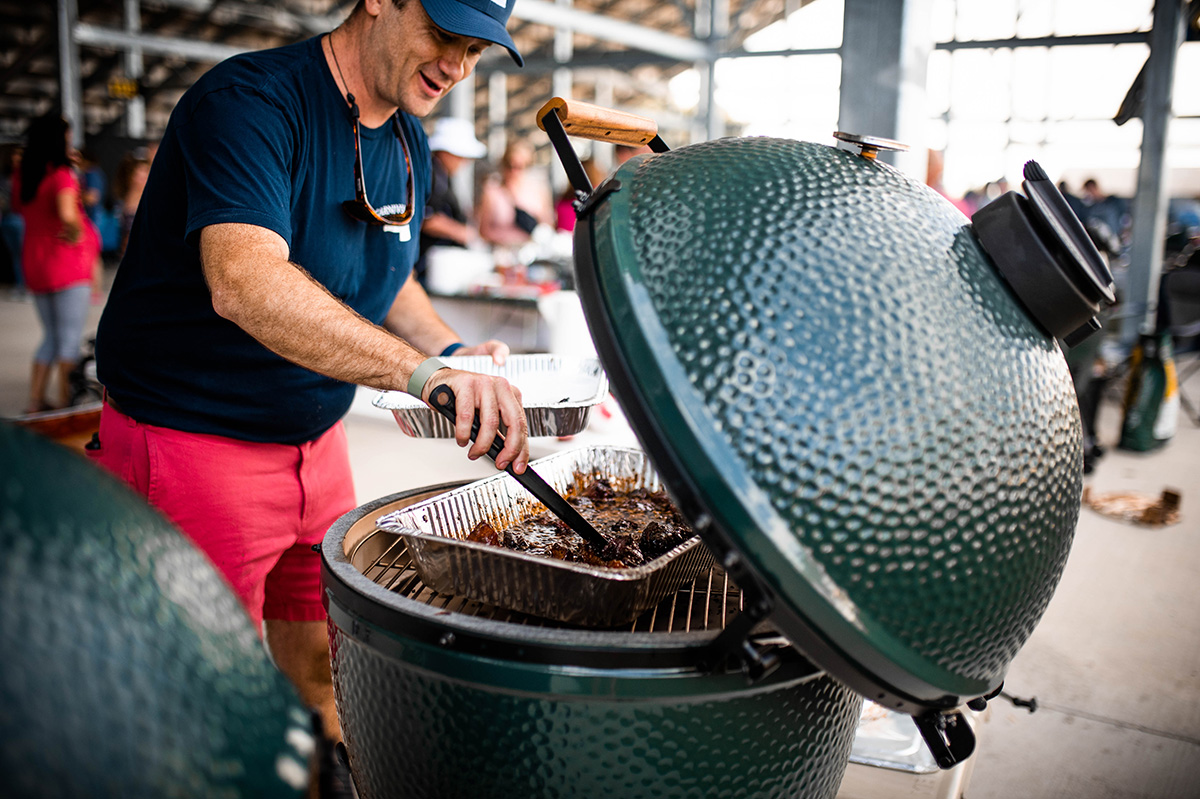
[{"x": 264, "y": 139}]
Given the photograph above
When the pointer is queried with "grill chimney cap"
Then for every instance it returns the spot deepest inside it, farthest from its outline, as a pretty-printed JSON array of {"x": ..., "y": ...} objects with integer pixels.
[
  {"x": 1042, "y": 250},
  {"x": 867, "y": 146}
]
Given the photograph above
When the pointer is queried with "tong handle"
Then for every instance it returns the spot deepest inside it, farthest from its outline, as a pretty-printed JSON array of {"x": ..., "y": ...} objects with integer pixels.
[
  {"x": 442, "y": 400},
  {"x": 589, "y": 121}
]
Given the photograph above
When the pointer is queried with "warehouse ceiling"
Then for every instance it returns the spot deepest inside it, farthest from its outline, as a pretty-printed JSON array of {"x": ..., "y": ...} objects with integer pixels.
[{"x": 30, "y": 59}]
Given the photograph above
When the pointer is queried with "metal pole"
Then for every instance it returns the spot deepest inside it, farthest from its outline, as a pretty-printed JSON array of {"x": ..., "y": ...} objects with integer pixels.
[
  {"x": 70, "y": 86},
  {"x": 702, "y": 27},
  {"x": 1150, "y": 203},
  {"x": 497, "y": 114},
  {"x": 561, "y": 85},
  {"x": 885, "y": 51},
  {"x": 916, "y": 44},
  {"x": 462, "y": 106},
  {"x": 135, "y": 108},
  {"x": 715, "y": 124},
  {"x": 604, "y": 98}
]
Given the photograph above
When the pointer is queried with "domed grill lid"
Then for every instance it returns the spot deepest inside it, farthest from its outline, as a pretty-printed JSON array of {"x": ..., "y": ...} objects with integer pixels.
[{"x": 846, "y": 399}]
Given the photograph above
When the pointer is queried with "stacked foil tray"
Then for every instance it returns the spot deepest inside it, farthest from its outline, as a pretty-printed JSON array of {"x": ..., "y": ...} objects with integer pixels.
[
  {"x": 569, "y": 592},
  {"x": 558, "y": 393}
]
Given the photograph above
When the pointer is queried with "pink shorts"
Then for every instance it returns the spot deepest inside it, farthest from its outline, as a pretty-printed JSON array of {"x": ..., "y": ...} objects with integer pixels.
[{"x": 255, "y": 509}]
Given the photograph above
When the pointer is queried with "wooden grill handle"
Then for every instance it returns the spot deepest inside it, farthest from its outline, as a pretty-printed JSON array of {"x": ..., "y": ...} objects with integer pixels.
[{"x": 589, "y": 121}]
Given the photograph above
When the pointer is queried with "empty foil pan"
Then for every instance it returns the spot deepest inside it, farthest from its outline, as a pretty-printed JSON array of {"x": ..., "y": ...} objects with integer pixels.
[
  {"x": 558, "y": 393},
  {"x": 554, "y": 589}
]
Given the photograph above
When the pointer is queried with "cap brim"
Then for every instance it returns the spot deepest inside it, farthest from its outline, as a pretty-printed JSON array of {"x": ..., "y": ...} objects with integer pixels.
[{"x": 466, "y": 21}]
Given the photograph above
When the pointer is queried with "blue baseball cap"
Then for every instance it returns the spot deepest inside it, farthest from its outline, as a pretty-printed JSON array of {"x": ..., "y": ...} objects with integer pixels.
[{"x": 481, "y": 19}]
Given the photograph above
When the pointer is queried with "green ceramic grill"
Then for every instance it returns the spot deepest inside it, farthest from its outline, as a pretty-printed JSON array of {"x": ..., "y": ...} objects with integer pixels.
[
  {"x": 854, "y": 392},
  {"x": 129, "y": 668}
]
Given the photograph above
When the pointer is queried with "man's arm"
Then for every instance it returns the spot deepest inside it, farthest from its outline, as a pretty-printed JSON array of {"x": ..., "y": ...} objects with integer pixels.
[
  {"x": 255, "y": 286},
  {"x": 413, "y": 318}
]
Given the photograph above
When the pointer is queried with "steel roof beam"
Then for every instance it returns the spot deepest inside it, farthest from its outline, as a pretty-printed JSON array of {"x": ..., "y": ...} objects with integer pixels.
[
  {"x": 261, "y": 14},
  {"x": 613, "y": 30},
  {"x": 1046, "y": 41},
  {"x": 1148, "y": 227},
  {"x": 96, "y": 36}
]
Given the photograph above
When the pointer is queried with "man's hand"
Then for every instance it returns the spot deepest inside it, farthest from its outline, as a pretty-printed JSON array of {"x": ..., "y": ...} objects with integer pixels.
[
  {"x": 497, "y": 349},
  {"x": 496, "y": 401}
]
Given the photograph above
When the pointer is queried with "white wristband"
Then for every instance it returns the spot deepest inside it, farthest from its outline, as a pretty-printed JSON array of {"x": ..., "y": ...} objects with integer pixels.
[{"x": 421, "y": 375}]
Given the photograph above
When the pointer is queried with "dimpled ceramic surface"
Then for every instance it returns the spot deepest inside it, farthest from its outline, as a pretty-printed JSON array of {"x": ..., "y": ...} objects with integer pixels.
[
  {"x": 872, "y": 417},
  {"x": 128, "y": 667},
  {"x": 412, "y": 734}
]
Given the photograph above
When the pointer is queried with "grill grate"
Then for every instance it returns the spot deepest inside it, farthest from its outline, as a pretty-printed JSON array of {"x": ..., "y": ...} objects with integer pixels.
[{"x": 705, "y": 605}]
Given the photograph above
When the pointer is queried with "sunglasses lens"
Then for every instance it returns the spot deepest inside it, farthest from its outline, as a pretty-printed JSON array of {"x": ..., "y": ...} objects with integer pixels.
[{"x": 357, "y": 209}]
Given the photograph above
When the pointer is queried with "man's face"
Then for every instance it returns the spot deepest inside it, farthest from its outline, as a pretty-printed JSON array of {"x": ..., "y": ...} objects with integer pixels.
[{"x": 411, "y": 62}]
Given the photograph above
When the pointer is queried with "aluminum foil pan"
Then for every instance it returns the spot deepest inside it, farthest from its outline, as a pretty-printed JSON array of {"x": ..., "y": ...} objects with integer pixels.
[
  {"x": 569, "y": 592},
  {"x": 558, "y": 392}
]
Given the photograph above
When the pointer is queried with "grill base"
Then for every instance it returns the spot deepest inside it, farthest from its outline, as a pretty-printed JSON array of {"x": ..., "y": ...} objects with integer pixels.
[{"x": 411, "y": 733}]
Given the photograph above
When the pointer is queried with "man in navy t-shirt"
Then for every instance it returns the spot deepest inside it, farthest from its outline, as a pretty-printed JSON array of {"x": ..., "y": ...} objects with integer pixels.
[{"x": 267, "y": 273}]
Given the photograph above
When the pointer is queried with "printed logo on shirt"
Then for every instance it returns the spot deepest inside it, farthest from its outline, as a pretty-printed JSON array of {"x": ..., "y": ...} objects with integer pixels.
[{"x": 501, "y": 3}]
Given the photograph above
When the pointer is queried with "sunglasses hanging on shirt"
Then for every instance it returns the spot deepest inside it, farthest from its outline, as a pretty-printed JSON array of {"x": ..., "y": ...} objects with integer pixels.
[{"x": 360, "y": 207}]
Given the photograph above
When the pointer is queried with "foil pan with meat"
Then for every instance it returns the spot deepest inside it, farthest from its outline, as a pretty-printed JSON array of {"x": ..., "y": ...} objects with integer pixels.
[{"x": 438, "y": 530}]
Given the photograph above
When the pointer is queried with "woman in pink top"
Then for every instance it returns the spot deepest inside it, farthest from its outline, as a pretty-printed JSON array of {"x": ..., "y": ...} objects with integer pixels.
[
  {"x": 60, "y": 256},
  {"x": 516, "y": 202}
]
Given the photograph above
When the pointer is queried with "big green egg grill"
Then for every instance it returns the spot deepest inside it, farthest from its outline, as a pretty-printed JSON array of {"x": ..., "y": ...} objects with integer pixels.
[
  {"x": 129, "y": 667},
  {"x": 858, "y": 398}
]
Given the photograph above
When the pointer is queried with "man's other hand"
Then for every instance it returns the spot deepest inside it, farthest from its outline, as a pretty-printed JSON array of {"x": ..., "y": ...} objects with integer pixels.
[{"x": 497, "y": 349}]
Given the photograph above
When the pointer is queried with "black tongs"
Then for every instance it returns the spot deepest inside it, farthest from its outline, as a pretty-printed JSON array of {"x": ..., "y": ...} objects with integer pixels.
[{"x": 442, "y": 400}]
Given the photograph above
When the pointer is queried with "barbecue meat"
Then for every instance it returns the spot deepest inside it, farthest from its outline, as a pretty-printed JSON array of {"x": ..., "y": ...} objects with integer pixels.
[
  {"x": 484, "y": 533},
  {"x": 640, "y": 526}
]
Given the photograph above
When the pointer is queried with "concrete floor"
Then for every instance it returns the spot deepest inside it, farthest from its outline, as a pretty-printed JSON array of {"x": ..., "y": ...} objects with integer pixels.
[{"x": 1114, "y": 665}]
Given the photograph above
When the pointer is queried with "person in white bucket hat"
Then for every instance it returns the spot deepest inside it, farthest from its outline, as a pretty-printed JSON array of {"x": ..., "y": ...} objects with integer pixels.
[
  {"x": 452, "y": 145},
  {"x": 456, "y": 137}
]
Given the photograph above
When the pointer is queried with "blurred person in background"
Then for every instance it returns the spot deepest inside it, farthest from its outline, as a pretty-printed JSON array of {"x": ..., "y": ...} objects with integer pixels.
[
  {"x": 97, "y": 202},
  {"x": 61, "y": 255},
  {"x": 1099, "y": 207},
  {"x": 130, "y": 182},
  {"x": 94, "y": 186},
  {"x": 1074, "y": 202},
  {"x": 935, "y": 167},
  {"x": 623, "y": 152},
  {"x": 514, "y": 202},
  {"x": 564, "y": 206},
  {"x": 452, "y": 145},
  {"x": 12, "y": 224},
  {"x": 1183, "y": 215}
]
